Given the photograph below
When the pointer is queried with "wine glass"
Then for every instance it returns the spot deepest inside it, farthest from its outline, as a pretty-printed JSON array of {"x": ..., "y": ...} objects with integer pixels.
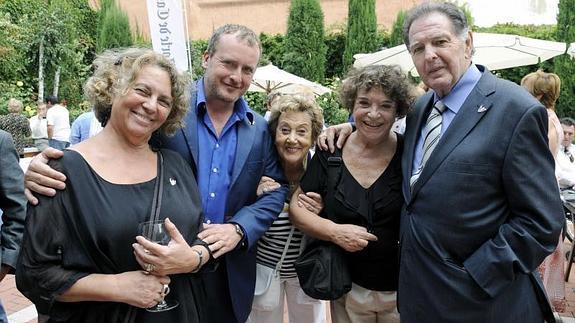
[{"x": 156, "y": 232}]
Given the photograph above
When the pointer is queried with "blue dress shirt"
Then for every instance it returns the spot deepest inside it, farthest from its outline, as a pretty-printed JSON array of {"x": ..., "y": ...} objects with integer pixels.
[
  {"x": 80, "y": 129},
  {"x": 216, "y": 156},
  {"x": 453, "y": 101}
]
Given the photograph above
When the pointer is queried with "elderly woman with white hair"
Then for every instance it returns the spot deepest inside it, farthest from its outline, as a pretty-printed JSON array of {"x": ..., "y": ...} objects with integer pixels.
[{"x": 16, "y": 124}]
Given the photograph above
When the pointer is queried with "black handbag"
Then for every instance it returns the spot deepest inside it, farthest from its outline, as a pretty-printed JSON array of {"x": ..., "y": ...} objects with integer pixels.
[{"x": 322, "y": 267}]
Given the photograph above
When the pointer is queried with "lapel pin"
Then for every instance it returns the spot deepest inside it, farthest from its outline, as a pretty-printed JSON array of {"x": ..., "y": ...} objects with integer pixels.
[
  {"x": 172, "y": 181},
  {"x": 481, "y": 109}
]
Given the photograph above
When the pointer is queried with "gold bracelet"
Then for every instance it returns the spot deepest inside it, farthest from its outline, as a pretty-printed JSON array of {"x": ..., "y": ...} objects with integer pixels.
[{"x": 200, "y": 258}]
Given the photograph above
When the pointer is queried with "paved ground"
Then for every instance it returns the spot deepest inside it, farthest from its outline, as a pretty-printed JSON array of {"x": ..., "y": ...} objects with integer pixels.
[{"x": 20, "y": 310}]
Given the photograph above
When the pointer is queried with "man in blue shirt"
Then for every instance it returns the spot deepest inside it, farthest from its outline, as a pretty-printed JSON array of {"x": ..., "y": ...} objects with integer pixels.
[
  {"x": 229, "y": 148},
  {"x": 85, "y": 126}
]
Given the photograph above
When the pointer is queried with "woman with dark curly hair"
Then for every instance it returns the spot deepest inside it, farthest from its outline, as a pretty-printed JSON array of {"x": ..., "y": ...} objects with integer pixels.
[
  {"x": 80, "y": 261},
  {"x": 367, "y": 196}
]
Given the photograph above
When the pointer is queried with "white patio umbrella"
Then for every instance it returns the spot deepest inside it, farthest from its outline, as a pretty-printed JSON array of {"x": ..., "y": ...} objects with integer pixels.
[
  {"x": 271, "y": 78},
  {"x": 571, "y": 50},
  {"x": 496, "y": 51}
]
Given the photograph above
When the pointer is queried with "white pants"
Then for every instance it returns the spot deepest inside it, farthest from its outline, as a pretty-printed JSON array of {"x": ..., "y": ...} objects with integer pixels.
[
  {"x": 362, "y": 305},
  {"x": 301, "y": 308}
]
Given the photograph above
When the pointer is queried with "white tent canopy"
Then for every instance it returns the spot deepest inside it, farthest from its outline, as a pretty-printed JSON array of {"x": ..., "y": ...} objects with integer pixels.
[
  {"x": 271, "y": 78},
  {"x": 496, "y": 51}
]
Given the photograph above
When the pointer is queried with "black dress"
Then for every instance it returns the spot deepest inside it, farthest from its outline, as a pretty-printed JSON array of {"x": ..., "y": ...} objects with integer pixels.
[
  {"x": 90, "y": 227},
  {"x": 376, "y": 267}
]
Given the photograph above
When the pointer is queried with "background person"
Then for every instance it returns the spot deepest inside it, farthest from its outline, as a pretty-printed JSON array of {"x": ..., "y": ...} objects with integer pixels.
[
  {"x": 367, "y": 200},
  {"x": 546, "y": 87},
  {"x": 295, "y": 122},
  {"x": 16, "y": 124},
  {"x": 58, "y": 119},
  {"x": 78, "y": 263},
  {"x": 271, "y": 98},
  {"x": 85, "y": 126},
  {"x": 39, "y": 127},
  {"x": 565, "y": 161}
]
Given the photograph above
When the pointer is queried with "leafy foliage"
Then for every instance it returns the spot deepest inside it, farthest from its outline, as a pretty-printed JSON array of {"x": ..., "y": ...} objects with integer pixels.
[
  {"x": 335, "y": 43},
  {"x": 333, "y": 111},
  {"x": 115, "y": 28},
  {"x": 305, "y": 50},
  {"x": 272, "y": 49},
  {"x": 396, "y": 36},
  {"x": 198, "y": 49},
  {"x": 12, "y": 49},
  {"x": 65, "y": 29},
  {"x": 361, "y": 30}
]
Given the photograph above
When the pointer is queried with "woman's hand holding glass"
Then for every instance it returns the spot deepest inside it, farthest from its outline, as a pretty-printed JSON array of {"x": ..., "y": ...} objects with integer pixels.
[
  {"x": 139, "y": 289},
  {"x": 177, "y": 257}
]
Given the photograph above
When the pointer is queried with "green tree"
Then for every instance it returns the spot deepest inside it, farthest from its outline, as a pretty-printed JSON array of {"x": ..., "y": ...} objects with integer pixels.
[
  {"x": 361, "y": 30},
  {"x": 396, "y": 36},
  {"x": 12, "y": 49},
  {"x": 114, "y": 30},
  {"x": 55, "y": 41},
  {"x": 335, "y": 43},
  {"x": 304, "y": 42},
  {"x": 272, "y": 49},
  {"x": 564, "y": 65}
]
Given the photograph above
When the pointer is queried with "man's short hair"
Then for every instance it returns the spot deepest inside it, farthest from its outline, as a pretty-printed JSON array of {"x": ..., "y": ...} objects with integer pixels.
[
  {"x": 567, "y": 121},
  {"x": 243, "y": 33},
  {"x": 450, "y": 10},
  {"x": 52, "y": 99}
]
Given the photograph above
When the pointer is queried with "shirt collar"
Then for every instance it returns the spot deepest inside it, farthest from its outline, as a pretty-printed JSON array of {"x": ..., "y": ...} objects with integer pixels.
[
  {"x": 457, "y": 96},
  {"x": 241, "y": 108}
]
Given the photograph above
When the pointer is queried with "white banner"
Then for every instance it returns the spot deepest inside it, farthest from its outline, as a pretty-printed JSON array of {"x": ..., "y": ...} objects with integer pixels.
[{"x": 166, "y": 20}]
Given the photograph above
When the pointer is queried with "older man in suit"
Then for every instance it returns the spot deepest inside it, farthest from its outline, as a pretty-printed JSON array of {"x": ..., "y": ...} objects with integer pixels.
[
  {"x": 482, "y": 202},
  {"x": 482, "y": 207}
]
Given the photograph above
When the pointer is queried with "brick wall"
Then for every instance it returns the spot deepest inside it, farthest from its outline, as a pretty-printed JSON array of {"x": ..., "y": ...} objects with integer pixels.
[{"x": 269, "y": 16}]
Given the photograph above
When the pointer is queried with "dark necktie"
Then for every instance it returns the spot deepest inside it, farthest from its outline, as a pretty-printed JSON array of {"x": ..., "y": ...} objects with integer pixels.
[{"x": 568, "y": 153}]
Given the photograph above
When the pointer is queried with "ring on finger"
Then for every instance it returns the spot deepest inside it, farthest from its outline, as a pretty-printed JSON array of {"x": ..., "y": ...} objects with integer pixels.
[{"x": 149, "y": 267}]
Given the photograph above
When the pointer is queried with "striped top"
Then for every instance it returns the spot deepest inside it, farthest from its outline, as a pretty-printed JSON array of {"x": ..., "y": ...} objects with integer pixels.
[{"x": 272, "y": 244}]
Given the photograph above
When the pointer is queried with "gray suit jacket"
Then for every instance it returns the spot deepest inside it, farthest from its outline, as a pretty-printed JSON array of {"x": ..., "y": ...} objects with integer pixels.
[
  {"x": 12, "y": 201},
  {"x": 484, "y": 213}
]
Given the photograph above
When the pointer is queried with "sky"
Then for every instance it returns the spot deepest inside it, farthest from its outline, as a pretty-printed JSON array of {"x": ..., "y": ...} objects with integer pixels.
[{"x": 489, "y": 12}]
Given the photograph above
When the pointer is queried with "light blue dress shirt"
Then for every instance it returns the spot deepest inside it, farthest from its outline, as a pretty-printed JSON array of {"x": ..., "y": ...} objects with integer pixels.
[
  {"x": 454, "y": 100},
  {"x": 80, "y": 129}
]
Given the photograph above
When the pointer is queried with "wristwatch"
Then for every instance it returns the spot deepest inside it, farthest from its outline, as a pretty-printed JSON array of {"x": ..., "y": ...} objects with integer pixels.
[{"x": 239, "y": 230}]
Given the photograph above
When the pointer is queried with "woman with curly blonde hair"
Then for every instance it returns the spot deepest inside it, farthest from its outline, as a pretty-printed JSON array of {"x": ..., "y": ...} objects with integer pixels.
[{"x": 79, "y": 260}]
